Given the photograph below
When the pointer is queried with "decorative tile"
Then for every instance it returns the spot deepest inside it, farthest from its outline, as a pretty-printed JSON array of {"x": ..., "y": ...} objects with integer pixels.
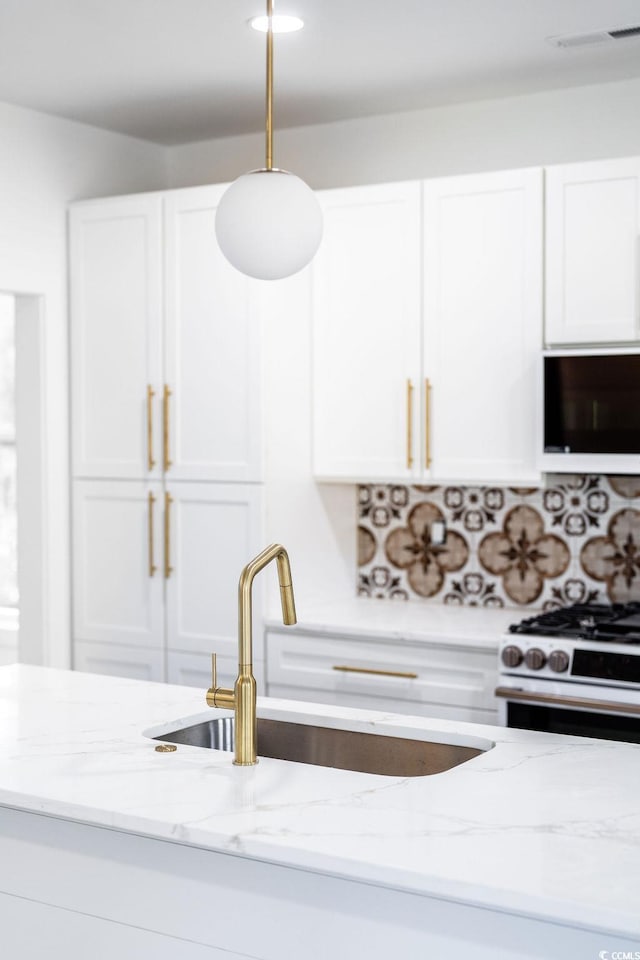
[
  {"x": 473, "y": 590},
  {"x": 367, "y": 546},
  {"x": 410, "y": 548},
  {"x": 576, "y": 504},
  {"x": 615, "y": 559},
  {"x": 523, "y": 555},
  {"x": 504, "y": 546},
  {"x": 626, "y": 487},
  {"x": 379, "y": 582},
  {"x": 382, "y": 504},
  {"x": 475, "y": 507}
]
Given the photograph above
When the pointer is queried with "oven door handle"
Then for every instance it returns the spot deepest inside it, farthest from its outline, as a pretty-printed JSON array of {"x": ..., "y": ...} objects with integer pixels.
[{"x": 509, "y": 693}]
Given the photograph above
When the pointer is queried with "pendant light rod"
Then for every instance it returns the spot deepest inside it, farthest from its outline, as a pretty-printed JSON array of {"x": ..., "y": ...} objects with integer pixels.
[{"x": 269, "y": 121}]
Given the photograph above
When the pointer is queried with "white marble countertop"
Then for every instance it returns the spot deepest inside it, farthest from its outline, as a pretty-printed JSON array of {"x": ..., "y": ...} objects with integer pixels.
[
  {"x": 413, "y": 622},
  {"x": 539, "y": 825}
]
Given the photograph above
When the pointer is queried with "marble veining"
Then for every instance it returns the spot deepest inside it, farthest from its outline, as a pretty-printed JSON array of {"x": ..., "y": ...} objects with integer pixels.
[{"x": 539, "y": 825}]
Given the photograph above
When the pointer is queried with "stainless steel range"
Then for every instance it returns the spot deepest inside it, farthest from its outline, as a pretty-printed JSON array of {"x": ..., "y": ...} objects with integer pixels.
[{"x": 574, "y": 670}]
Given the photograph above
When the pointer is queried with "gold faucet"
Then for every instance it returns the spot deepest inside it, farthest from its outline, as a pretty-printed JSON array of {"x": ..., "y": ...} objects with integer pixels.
[{"x": 242, "y": 699}]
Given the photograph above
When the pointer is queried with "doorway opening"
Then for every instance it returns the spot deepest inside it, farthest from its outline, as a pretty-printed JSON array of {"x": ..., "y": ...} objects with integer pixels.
[{"x": 22, "y": 457}]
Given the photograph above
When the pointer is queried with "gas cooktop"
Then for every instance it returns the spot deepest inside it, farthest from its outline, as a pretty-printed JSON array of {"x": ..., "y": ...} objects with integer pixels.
[{"x": 598, "y": 622}]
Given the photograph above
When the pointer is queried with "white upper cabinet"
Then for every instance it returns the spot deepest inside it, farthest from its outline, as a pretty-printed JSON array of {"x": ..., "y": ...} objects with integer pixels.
[
  {"x": 444, "y": 387},
  {"x": 212, "y": 348},
  {"x": 482, "y": 325},
  {"x": 165, "y": 343},
  {"x": 593, "y": 252},
  {"x": 366, "y": 325},
  {"x": 116, "y": 308}
]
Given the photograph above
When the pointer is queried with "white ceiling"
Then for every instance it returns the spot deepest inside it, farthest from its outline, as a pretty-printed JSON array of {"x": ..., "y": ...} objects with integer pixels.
[{"x": 175, "y": 71}]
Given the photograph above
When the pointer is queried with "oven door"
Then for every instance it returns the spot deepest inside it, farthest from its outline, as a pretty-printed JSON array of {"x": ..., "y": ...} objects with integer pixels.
[{"x": 581, "y": 710}]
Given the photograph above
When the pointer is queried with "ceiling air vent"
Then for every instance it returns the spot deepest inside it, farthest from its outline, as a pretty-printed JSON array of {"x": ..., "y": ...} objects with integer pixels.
[
  {"x": 599, "y": 36},
  {"x": 624, "y": 33}
]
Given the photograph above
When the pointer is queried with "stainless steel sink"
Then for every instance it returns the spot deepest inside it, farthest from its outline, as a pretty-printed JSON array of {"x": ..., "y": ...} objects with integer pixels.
[{"x": 331, "y": 747}]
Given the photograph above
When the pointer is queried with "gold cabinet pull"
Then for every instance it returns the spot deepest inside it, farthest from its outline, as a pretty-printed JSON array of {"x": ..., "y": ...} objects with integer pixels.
[
  {"x": 150, "y": 395},
  {"x": 152, "y": 566},
  {"x": 168, "y": 569},
  {"x": 376, "y": 673},
  {"x": 409, "y": 424},
  {"x": 165, "y": 427},
  {"x": 427, "y": 423}
]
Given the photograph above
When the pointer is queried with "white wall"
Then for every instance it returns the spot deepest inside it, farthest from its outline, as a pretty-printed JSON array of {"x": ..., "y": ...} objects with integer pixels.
[
  {"x": 557, "y": 126},
  {"x": 45, "y": 163},
  {"x": 315, "y": 522}
]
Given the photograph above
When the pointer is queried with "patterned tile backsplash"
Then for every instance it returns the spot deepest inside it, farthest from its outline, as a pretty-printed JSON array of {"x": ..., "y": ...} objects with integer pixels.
[{"x": 576, "y": 540}]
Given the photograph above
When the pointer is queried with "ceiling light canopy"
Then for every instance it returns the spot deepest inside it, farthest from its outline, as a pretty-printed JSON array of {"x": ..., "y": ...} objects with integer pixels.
[
  {"x": 269, "y": 223},
  {"x": 281, "y": 23}
]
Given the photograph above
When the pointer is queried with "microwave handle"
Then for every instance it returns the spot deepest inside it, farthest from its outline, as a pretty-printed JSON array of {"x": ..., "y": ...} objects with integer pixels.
[{"x": 509, "y": 693}]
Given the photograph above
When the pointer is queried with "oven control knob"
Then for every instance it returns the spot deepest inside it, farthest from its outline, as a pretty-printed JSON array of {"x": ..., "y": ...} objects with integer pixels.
[
  {"x": 535, "y": 658},
  {"x": 558, "y": 661},
  {"x": 512, "y": 656}
]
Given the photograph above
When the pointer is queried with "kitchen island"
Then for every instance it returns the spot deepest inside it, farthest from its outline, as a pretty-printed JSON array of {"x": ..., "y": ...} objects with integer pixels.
[{"x": 531, "y": 849}]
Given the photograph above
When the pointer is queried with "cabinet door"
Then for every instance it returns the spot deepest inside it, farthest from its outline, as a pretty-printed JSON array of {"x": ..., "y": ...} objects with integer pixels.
[
  {"x": 212, "y": 348},
  {"x": 116, "y": 313},
  {"x": 366, "y": 333},
  {"x": 117, "y": 563},
  {"x": 213, "y": 530},
  {"x": 483, "y": 325},
  {"x": 592, "y": 252},
  {"x": 115, "y": 660}
]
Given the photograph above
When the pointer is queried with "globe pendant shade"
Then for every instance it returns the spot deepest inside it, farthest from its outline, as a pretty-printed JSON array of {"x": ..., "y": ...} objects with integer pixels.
[{"x": 269, "y": 224}]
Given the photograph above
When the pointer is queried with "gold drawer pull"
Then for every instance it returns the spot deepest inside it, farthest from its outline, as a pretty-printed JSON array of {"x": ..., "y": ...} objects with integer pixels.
[
  {"x": 165, "y": 427},
  {"x": 168, "y": 569},
  {"x": 152, "y": 566},
  {"x": 150, "y": 395},
  {"x": 377, "y": 673},
  {"x": 409, "y": 424},
  {"x": 427, "y": 423}
]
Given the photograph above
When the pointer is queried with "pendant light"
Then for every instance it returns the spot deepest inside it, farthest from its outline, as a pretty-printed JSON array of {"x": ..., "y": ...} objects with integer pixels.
[{"x": 269, "y": 223}]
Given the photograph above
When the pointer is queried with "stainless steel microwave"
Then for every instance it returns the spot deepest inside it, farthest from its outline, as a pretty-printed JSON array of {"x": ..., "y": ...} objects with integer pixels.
[{"x": 591, "y": 417}]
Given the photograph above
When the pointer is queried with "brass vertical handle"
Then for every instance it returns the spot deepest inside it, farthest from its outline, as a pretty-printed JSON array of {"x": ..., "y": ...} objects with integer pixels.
[
  {"x": 168, "y": 569},
  {"x": 427, "y": 423},
  {"x": 152, "y": 566},
  {"x": 165, "y": 427},
  {"x": 150, "y": 395},
  {"x": 409, "y": 424}
]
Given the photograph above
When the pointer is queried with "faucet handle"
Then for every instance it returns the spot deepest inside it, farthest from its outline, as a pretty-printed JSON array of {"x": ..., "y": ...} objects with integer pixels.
[{"x": 219, "y": 696}]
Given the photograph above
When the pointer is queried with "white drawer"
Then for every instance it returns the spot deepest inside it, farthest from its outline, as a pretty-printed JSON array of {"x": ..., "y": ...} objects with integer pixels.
[{"x": 356, "y": 670}]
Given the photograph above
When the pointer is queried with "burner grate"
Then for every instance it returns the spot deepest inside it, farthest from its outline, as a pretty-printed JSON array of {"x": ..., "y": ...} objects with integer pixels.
[{"x": 616, "y": 622}]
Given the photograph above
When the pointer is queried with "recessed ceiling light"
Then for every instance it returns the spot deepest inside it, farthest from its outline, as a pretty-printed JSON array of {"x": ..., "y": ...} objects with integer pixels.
[{"x": 282, "y": 23}]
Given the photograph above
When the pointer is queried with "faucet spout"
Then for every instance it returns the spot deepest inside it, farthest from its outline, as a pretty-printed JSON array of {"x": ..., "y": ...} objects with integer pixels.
[{"x": 244, "y": 694}]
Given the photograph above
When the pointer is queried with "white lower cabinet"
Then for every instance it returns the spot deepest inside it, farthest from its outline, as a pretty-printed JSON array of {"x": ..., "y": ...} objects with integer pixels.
[
  {"x": 434, "y": 679},
  {"x": 116, "y": 660},
  {"x": 155, "y": 575}
]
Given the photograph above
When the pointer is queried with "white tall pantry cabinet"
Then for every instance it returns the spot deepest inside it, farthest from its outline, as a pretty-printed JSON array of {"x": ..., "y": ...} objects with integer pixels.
[{"x": 166, "y": 437}]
